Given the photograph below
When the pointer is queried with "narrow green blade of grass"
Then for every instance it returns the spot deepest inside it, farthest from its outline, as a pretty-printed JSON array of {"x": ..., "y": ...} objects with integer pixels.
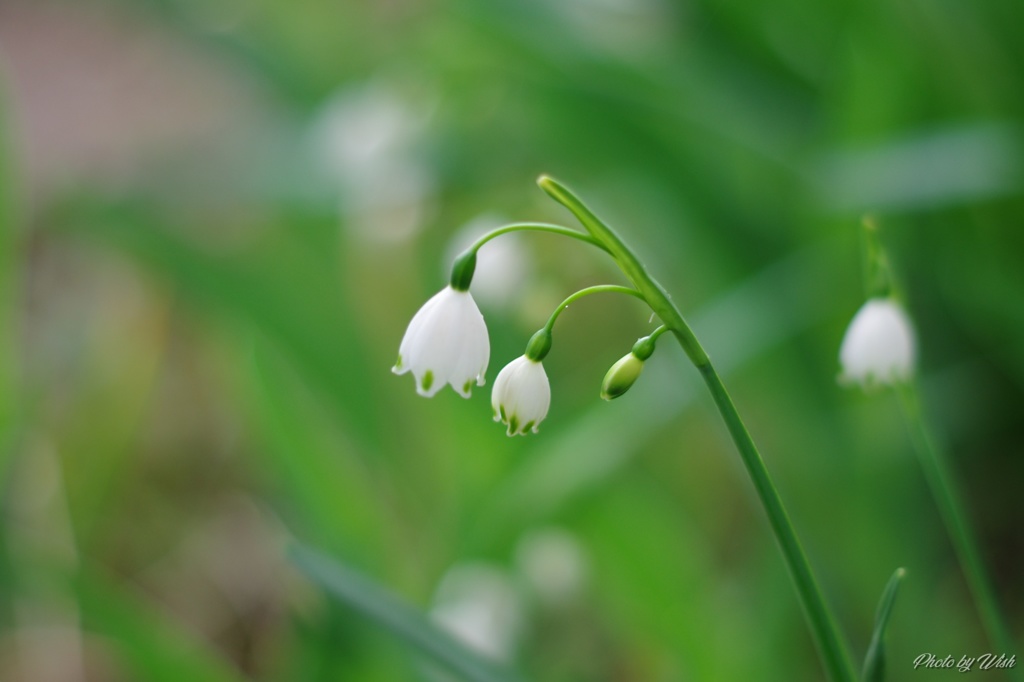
[
  {"x": 9, "y": 250},
  {"x": 874, "y": 661},
  {"x": 150, "y": 646},
  {"x": 398, "y": 618}
]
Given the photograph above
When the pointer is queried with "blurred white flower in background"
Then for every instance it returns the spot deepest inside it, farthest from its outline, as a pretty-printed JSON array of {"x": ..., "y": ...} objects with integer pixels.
[
  {"x": 365, "y": 140},
  {"x": 879, "y": 345},
  {"x": 480, "y": 605},
  {"x": 502, "y": 264},
  {"x": 553, "y": 564}
]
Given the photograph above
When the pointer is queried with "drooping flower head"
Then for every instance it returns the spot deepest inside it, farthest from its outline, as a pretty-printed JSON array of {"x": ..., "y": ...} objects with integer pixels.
[
  {"x": 446, "y": 343},
  {"x": 879, "y": 346},
  {"x": 521, "y": 395}
]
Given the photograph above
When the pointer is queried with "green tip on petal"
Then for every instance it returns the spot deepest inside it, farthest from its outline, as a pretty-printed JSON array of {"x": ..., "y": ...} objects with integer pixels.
[
  {"x": 468, "y": 386},
  {"x": 428, "y": 380},
  {"x": 513, "y": 425},
  {"x": 398, "y": 364}
]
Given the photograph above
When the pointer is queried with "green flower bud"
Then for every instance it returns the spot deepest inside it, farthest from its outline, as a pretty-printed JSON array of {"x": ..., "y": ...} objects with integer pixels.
[
  {"x": 621, "y": 376},
  {"x": 539, "y": 346},
  {"x": 462, "y": 270}
]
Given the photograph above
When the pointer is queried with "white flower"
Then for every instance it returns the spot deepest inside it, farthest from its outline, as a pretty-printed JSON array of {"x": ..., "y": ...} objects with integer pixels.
[
  {"x": 521, "y": 395},
  {"x": 364, "y": 141},
  {"x": 879, "y": 345},
  {"x": 554, "y": 565},
  {"x": 480, "y": 605},
  {"x": 446, "y": 343}
]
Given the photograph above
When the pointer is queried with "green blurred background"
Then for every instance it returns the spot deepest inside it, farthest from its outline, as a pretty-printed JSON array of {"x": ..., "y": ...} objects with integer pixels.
[{"x": 217, "y": 217}]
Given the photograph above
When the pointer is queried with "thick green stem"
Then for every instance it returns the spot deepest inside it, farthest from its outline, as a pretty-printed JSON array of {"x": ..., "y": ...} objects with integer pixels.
[
  {"x": 833, "y": 650},
  {"x": 936, "y": 472},
  {"x": 657, "y": 297},
  {"x": 835, "y": 657}
]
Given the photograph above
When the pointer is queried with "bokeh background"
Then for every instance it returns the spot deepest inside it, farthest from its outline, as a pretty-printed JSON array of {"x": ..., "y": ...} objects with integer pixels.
[{"x": 217, "y": 217}]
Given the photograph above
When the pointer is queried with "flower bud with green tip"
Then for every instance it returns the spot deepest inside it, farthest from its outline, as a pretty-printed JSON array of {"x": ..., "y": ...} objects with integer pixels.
[{"x": 624, "y": 373}]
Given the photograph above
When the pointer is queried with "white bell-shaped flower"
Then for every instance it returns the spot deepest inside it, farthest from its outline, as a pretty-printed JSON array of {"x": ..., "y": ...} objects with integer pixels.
[
  {"x": 879, "y": 345},
  {"x": 480, "y": 605},
  {"x": 446, "y": 343},
  {"x": 521, "y": 395}
]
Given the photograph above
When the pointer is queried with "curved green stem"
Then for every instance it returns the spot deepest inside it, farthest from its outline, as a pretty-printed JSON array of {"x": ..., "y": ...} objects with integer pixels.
[
  {"x": 936, "y": 471},
  {"x": 465, "y": 262},
  {"x": 536, "y": 227},
  {"x": 540, "y": 343},
  {"x": 653, "y": 336},
  {"x": 596, "y": 289},
  {"x": 657, "y": 297},
  {"x": 831, "y": 645}
]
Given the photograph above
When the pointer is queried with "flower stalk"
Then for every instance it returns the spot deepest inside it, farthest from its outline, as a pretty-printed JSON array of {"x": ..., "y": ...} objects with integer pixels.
[
  {"x": 624, "y": 373},
  {"x": 596, "y": 289},
  {"x": 522, "y": 393},
  {"x": 936, "y": 472},
  {"x": 835, "y": 656},
  {"x": 879, "y": 349}
]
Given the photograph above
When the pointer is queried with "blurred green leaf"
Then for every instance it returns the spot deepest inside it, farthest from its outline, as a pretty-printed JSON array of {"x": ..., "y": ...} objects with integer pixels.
[
  {"x": 317, "y": 475},
  {"x": 152, "y": 647},
  {"x": 924, "y": 170},
  {"x": 270, "y": 286},
  {"x": 399, "y": 619},
  {"x": 10, "y": 267},
  {"x": 874, "y": 661}
]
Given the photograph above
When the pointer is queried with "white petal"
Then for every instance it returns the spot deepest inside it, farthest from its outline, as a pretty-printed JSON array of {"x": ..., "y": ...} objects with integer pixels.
[
  {"x": 879, "y": 345},
  {"x": 475, "y": 350},
  {"x": 431, "y": 351},
  {"x": 413, "y": 332}
]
